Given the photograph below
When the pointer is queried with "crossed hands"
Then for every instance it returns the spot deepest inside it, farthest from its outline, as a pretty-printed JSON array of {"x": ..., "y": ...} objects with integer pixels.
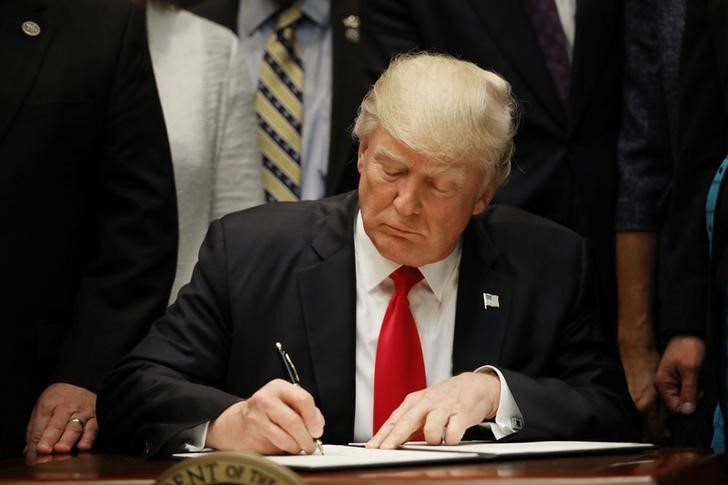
[{"x": 282, "y": 418}]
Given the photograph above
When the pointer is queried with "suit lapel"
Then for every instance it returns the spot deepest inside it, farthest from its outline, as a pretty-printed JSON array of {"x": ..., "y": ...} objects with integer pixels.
[
  {"x": 328, "y": 306},
  {"x": 596, "y": 23},
  {"x": 479, "y": 330},
  {"x": 21, "y": 55},
  {"x": 510, "y": 28}
]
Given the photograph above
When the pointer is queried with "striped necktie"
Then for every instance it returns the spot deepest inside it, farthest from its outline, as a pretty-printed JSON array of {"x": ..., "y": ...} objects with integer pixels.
[{"x": 279, "y": 109}]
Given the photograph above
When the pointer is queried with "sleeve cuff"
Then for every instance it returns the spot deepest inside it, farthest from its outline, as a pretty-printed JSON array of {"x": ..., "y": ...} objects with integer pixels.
[
  {"x": 188, "y": 440},
  {"x": 508, "y": 418}
]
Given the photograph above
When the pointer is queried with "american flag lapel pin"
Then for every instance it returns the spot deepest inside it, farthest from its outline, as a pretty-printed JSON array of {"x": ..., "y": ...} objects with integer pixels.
[{"x": 490, "y": 301}]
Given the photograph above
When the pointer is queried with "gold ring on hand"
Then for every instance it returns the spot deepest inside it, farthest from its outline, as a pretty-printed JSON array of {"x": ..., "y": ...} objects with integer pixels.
[{"x": 76, "y": 420}]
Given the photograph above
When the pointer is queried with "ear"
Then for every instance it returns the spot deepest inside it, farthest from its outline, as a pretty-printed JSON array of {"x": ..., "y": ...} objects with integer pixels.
[
  {"x": 484, "y": 200},
  {"x": 363, "y": 145}
]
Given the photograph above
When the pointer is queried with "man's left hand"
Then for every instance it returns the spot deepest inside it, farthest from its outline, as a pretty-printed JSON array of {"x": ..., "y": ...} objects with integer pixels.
[
  {"x": 63, "y": 416},
  {"x": 442, "y": 412}
]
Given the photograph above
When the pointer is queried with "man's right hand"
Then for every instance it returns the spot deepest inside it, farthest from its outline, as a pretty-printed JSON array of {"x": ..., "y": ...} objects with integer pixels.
[
  {"x": 677, "y": 375},
  {"x": 279, "y": 418}
]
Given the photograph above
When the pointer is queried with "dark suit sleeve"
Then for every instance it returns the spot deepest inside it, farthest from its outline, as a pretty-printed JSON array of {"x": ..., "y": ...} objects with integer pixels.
[
  {"x": 125, "y": 283},
  {"x": 171, "y": 381},
  {"x": 644, "y": 154},
  {"x": 582, "y": 393},
  {"x": 703, "y": 145},
  {"x": 387, "y": 29}
]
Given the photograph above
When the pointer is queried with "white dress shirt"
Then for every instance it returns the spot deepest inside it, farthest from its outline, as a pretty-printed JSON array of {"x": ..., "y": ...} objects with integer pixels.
[
  {"x": 432, "y": 301},
  {"x": 567, "y": 15}
]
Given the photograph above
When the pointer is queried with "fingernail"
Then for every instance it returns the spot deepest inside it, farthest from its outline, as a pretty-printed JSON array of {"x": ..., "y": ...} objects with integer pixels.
[{"x": 687, "y": 408}]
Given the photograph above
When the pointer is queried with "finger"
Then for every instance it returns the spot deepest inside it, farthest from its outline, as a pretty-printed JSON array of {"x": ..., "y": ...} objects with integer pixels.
[
  {"x": 389, "y": 424},
  {"x": 287, "y": 419},
  {"x": 301, "y": 401},
  {"x": 456, "y": 427},
  {"x": 69, "y": 438},
  {"x": 37, "y": 424},
  {"x": 279, "y": 438},
  {"x": 688, "y": 392},
  {"x": 668, "y": 390},
  {"x": 406, "y": 425},
  {"x": 435, "y": 424},
  {"x": 54, "y": 430},
  {"x": 90, "y": 430}
]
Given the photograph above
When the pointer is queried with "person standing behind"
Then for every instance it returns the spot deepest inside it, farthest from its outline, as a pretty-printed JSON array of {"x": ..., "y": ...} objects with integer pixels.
[
  {"x": 87, "y": 206},
  {"x": 207, "y": 102},
  {"x": 564, "y": 60},
  {"x": 697, "y": 269},
  {"x": 648, "y": 153},
  {"x": 303, "y": 58}
]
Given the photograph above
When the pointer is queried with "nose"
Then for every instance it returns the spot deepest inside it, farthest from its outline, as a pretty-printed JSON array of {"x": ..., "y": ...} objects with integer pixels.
[{"x": 407, "y": 201}]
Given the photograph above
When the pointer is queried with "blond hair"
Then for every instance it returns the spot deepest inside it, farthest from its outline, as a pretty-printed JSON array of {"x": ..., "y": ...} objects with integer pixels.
[{"x": 445, "y": 108}]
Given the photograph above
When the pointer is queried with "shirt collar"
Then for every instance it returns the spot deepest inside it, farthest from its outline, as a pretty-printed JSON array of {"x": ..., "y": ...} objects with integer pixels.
[
  {"x": 254, "y": 13},
  {"x": 378, "y": 268}
]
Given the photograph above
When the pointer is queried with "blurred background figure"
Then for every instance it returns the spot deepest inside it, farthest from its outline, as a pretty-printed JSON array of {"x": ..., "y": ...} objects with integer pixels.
[
  {"x": 208, "y": 105},
  {"x": 303, "y": 59},
  {"x": 87, "y": 204},
  {"x": 691, "y": 374},
  {"x": 649, "y": 150},
  {"x": 564, "y": 60}
]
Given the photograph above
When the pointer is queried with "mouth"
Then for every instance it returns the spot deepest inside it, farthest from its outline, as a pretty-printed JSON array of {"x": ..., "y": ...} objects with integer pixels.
[{"x": 399, "y": 231}]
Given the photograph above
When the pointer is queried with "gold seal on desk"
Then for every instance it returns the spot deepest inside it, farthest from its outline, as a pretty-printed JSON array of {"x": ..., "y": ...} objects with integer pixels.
[{"x": 227, "y": 467}]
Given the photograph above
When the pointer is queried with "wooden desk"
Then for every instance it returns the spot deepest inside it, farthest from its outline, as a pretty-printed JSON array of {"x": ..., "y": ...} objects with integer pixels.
[{"x": 667, "y": 466}]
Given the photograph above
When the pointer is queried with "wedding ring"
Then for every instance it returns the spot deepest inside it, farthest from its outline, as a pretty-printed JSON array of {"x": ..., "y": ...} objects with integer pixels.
[{"x": 76, "y": 420}]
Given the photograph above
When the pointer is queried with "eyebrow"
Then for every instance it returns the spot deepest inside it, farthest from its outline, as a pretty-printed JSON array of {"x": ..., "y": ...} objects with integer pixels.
[{"x": 387, "y": 153}]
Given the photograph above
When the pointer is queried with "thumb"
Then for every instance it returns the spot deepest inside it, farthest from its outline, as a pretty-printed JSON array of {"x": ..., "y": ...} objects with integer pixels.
[{"x": 688, "y": 392}]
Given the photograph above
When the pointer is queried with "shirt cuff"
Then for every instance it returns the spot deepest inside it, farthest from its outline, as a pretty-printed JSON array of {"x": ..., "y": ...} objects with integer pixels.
[
  {"x": 508, "y": 418},
  {"x": 193, "y": 439}
]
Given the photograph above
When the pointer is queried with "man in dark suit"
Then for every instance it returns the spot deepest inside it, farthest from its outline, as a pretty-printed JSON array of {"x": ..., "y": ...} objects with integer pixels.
[
  {"x": 503, "y": 311},
  {"x": 88, "y": 245},
  {"x": 565, "y": 162},
  {"x": 697, "y": 271},
  {"x": 335, "y": 40}
]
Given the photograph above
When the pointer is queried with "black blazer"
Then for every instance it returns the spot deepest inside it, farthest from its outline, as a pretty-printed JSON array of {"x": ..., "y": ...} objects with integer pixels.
[
  {"x": 696, "y": 282},
  {"x": 285, "y": 272},
  {"x": 87, "y": 202},
  {"x": 564, "y": 167},
  {"x": 347, "y": 86}
]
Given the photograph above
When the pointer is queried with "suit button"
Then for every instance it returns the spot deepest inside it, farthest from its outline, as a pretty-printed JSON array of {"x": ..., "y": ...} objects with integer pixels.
[{"x": 147, "y": 447}]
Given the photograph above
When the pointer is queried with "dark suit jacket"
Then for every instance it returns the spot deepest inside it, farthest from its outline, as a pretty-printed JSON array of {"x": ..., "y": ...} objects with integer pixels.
[
  {"x": 347, "y": 86},
  {"x": 565, "y": 162},
  {"x": 87, "y": 201},
  {"x": 286, "y": 273},
  {"x": 697, "y": 282}
]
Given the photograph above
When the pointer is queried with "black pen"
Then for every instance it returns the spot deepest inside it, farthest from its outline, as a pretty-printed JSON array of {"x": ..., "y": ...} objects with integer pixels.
[{"x": 295, "y": 380}]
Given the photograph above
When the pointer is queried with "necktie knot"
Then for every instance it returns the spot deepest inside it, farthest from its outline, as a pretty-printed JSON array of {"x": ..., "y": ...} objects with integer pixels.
[
  {"x": 288, "y": 19},
  {"x": 405, "y": 277}
]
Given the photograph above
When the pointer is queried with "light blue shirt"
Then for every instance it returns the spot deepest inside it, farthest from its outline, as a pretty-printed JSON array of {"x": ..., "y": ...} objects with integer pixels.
[{"x": 256, "y": 23}]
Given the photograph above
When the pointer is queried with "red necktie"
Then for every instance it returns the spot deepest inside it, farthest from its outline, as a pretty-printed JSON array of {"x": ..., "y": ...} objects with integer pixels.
[{"x": 399, "y": 368}]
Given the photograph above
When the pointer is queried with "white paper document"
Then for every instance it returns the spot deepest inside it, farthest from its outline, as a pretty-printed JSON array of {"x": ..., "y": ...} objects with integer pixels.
[
  {"x": 341, "y": 456},
  {"x": 355, "y": 455},
  {"x": 531, "y": 448}
]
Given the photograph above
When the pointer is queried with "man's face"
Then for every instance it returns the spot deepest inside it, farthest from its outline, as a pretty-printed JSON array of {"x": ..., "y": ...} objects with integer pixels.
[{"x": 415, "y": 208}]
